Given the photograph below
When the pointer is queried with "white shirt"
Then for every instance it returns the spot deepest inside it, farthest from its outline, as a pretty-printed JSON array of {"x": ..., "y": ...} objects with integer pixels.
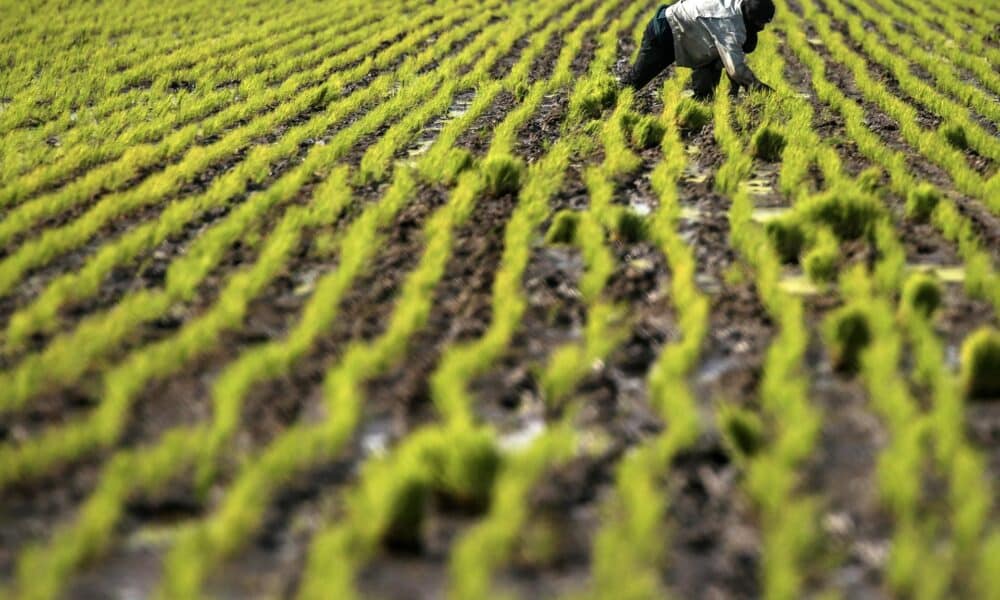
[{"x": 709, "y": 30}]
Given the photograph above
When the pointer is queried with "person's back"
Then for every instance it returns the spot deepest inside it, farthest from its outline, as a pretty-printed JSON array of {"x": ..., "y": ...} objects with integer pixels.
[
  {"x": 707, "y": 36},
  {"x": 697, "y": 24}
]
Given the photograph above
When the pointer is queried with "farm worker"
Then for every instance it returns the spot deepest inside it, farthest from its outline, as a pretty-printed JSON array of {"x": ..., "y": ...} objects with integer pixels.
[{"x": 707, "y": 36}]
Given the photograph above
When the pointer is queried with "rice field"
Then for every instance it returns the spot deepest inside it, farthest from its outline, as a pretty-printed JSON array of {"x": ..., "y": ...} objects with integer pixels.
[{"x": 411, "y": 299}]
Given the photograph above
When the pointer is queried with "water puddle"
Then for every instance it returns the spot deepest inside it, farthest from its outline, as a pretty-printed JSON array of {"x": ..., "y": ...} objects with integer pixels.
[
  {"x": 767, "y": 214},
  {"x": 757, "y": 187},
  {"x": 375, "y": 437},
  {"x": 799, "y": 285},
  {"x": 691, "y": 213},
  {"x": 944, "y": 274},
  {"x": 694, "y": 174},
  {"x": 640, "y": 207},
  {"x": 520, "y": 438}
]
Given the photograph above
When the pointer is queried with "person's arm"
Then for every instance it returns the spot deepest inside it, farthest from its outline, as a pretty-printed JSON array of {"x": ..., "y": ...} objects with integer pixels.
[{"x": 730, "y": 48}]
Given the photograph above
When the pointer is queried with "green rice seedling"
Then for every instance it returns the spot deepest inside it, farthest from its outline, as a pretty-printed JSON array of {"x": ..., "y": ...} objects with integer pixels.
[
  {"x": 408, "y": 505},
  {"x": 921, "y": 202},
  {"x": 981, "y": 364},
  {"x": 871, "y": 179},
  {"x": 630, "y": 227},
  {"x": 768, "y": 144},
  {"x": 596, "y": 95},
  {"x": 820, "y": 262},
  {"x": 742, "y": 430},
  {"x": 502, "y": 174},
  {"x": 848, "y": 333},
  {"x": 563, "y": 227},
  {"x": 956, "y": 136},
  {"x": 921, "y": 295},
  {"x": 787, "y": 237},
  {"x": 647, "y": 133},
  {"x": 464, "y": 466},
  {"x": 692, "y": 115},
  {"x": 850, "y": 215}
]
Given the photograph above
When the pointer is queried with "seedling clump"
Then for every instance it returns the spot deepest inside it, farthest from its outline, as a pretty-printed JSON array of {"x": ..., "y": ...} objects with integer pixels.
[
  {"x": 503, "y": 174},
  {"x": 409, "y": 504},
  {"x": 787, "y": 237},
  {"x": 981, "y": 364},
  {"x": 820, "y": 263},
  {"x": 921, "y": 295},
  {"x": 692, "y": 115},
  {"x": 563, "y": 228},
  {"x": 851, "y": 216},
  {"x": 647, "y": 133},
  {"x": 464, "y": 468},
  {"x": 921, "y": 201},
  {"x": 768, "y": 144},
  {"x": 743, "y": 431},
  {"x": 597, "y": 95},
  {"x": 955, "y": 134},
  {"x": 848, "y": 333},
  {"x": 631, "y": 227}
]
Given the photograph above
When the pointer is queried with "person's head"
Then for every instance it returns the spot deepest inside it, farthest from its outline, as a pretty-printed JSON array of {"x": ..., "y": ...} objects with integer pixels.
[{"x": 757, "y": 13}]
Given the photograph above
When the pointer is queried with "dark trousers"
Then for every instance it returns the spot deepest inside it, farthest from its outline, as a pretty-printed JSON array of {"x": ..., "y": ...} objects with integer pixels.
[{"x": 657, "y": 53}]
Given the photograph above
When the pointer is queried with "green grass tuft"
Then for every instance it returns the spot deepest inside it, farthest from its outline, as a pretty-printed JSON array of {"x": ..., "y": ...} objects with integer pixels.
[
  {"x": 848, "y": 333},
  {"x": 647, "y": 133},
  {"x": 742, "y": 430},
  {"x": 693, "y": 115},
  {"x": 921, "y": 295},
  {"x": 503, "y": 174},
  {"x": 464, "y": 473},
  {"x": 981, "y": 364},
  {"x": 851, "y": 215},
  {"x": 563, "y": 228},
  {"x": 409, "y": 505},
  {"x": 596, "y": 95},
  {"x": 787, "y": 237},
  {"x": 921, "y": 202},
  {"x": 768, "y": 144},
  {"x": 630, "y": 227},
  {"x": 820, "y": 263},
  {"x": 956, "y": 136}
]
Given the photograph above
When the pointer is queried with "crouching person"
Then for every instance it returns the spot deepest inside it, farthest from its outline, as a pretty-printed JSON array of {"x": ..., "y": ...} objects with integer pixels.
[{"x": 708, "y": 36}]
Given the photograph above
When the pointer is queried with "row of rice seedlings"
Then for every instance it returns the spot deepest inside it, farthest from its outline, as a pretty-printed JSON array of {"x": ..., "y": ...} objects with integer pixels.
[
  {"x": 923, "y": 201},
  {"x": 790, "y": 427},
  {"x": 102, "y": 426},
  {"x": 171, "y": 180},
  {"x": 293, "y": 34},
  {"x": 45, "y": 84},
  {"x": 970, "y": 497},
  {"x": 847, "y": 340},
  {"x": 361, "y": 361},
  {"x": 969, "y": 32},
  {"x": 158, "y": 132},
  {"x": 232, "y": 385},
  {"x": 629, "y": 547},
  {"x": 959, "y": 128},
  {"x": 460, "y": 363},
  {"x": 932, "y": 144},
  {"x": 461, "y": 470},
  {"x": 885, "y": 15},
  {"x": 22, "y": 35},
  {"x": 90, "y": 533},
  {"x": 913, "y": 15},
  {"x": 42, "y": 314},
  {"x": 489, "y": 544}
]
